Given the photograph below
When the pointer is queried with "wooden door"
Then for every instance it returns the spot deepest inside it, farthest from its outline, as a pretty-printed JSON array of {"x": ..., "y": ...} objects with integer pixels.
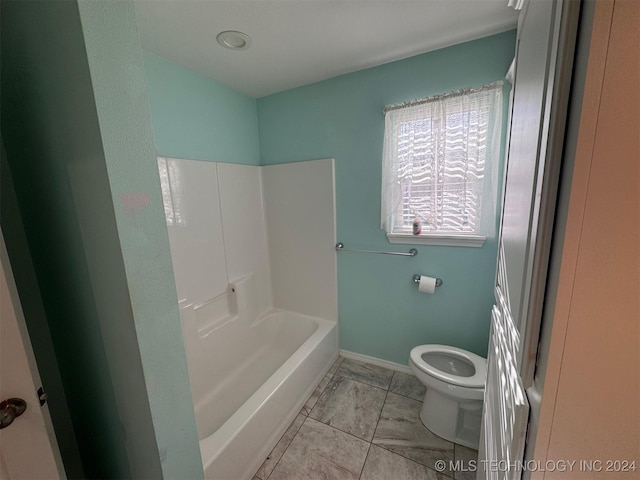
[
  {"x": 28, "y": 449},
  {"x": 544, "y": 55}
]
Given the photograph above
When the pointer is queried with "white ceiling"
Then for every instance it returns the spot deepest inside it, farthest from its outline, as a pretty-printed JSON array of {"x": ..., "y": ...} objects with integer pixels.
[{"x": 297, "y": 42}]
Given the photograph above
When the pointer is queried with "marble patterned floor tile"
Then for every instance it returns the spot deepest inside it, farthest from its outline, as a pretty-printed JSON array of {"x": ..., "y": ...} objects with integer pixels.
[
  {"x": 350, "y": 406},
  {"x": 401, "y": 431},
  {"x": 407, "y": 385},
  {"x": 335, "y": 366},
  {"x": 382, "y": 464},
  {"x": 313, "y": 399},
  {"x": 274, "y": 457},
  {"x": 321, "y": 452},
  {"x": 366, "y": 373},
  {"x": 467, "y": 458}
]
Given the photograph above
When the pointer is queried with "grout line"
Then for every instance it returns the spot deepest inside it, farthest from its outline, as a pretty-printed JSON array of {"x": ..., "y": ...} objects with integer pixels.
[
  {"x": 400, "y": 454},
  {"x": 380, "y": 416},
  {"x": 359, "y": 380},
  {"x": 331, "y": 375},
  {"x": 307, "y": 416},
  {"x": 349, "y": 433},
  {"x": 414, "y": 461},
  {"x": 278, "y": 442},
  {"x": 366, "y": 457},
  {"x": 446, "y": 475},
  {"x": 341, "y": 431},
  {"x": 285, "y": 450},
  {"x": 405, "y": 396}
]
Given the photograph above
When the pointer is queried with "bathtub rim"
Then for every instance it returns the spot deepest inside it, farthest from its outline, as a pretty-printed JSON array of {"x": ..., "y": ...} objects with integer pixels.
[
  {"x": 284, "y": 321},
  {"x": 215, "y": 444}
]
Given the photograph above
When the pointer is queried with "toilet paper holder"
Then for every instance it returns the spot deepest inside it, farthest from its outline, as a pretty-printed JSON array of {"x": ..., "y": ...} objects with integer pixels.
[{"x": 416, "y": 280}]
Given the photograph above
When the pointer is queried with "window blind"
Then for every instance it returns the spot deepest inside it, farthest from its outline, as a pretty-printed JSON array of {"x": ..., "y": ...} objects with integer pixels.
[{"x": 440, "y": 163}]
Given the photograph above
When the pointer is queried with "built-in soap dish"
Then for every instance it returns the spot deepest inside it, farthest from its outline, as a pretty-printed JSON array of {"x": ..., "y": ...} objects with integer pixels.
[{"x": 216, "y": 312}]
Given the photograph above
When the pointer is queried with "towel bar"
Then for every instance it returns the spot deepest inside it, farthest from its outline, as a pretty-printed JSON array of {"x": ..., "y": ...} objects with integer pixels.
[{"x": 412, "y": 253}]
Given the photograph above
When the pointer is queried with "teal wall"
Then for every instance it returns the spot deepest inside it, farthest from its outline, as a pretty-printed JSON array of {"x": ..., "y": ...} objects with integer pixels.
[
  {"x": 380, "y": 310},
  {"x": 197, "y": 118},
  {"x": 123, "y": 110},
  {"x": 79, "y": 148},
  {"x": 76, "y": 124}
]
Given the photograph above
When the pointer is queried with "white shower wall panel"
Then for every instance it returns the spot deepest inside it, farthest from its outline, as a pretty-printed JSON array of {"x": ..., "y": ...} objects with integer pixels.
[
  {"x": 244, "y": 230},
  {"x": 192, "y": 208},
  {"x": 273, "y": 226},
  {"x": 300, "y": 213}
]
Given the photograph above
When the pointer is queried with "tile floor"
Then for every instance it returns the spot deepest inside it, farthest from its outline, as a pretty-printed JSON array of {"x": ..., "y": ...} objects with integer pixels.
[{"x": 363, "y": 422}]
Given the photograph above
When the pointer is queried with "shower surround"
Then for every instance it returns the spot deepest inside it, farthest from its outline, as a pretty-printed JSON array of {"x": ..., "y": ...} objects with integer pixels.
[{"x": 255, "y": 269}]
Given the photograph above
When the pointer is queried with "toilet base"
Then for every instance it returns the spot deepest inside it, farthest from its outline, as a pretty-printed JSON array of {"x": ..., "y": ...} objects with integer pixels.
[{"x": 455, "y": 420}]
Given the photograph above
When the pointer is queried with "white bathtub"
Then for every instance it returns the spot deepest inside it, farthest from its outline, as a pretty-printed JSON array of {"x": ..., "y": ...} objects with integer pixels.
[{"x": 249, "y": 379}]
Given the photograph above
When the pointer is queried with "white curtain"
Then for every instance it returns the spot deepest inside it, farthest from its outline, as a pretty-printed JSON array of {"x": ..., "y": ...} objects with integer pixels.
[{"x": 440, "y": 163}]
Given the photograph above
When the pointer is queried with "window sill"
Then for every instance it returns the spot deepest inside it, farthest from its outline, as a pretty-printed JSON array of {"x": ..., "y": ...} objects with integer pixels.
[{"x": 443, "y": 240}]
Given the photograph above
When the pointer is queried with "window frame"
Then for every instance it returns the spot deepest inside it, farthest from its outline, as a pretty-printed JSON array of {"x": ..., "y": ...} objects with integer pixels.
[
  {"x": 449, "y": 238},
  {"x": 442, "y": 239}
]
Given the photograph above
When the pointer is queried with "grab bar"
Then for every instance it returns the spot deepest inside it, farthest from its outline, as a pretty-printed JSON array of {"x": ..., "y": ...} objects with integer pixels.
[
  {"x": 198, "y": 306},
  {"x": 412, "y": 253}
]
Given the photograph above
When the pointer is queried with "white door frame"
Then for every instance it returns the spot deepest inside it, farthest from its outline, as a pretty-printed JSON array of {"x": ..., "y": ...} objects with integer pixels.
[
  {"x": 28, "y": 447},
  {"x": 542, "y": 126}
]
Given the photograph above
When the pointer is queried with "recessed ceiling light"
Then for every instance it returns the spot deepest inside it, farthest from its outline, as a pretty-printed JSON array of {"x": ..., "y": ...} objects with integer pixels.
[{"x": 234, "y": 40}]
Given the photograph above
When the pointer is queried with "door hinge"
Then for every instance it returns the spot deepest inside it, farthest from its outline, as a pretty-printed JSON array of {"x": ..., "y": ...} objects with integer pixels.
[{"x": 42, "y": 396}]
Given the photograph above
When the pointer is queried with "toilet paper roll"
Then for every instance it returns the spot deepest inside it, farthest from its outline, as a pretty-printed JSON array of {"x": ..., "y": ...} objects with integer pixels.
[{"x": 427, "y": 284}]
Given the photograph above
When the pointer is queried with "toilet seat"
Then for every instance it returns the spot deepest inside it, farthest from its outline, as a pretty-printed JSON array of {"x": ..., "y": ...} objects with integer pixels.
[{"x": 477, "y": 380}]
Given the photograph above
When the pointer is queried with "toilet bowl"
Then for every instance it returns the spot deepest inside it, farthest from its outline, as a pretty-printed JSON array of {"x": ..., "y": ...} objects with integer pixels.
[{"x": 454, "y": 381}]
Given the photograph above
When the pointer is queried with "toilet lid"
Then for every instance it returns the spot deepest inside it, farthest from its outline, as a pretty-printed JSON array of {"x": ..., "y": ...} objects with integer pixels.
[{"x": 477, "y": 380}]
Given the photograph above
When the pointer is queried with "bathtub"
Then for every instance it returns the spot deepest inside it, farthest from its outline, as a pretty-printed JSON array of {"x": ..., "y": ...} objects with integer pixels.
[{"x": 250, "y": 376}]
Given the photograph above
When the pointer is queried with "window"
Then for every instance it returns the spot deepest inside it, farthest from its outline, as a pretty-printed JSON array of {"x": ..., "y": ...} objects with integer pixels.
[
  {"x": 170, "y": 180},
  {"x": 440, "y": 167}
]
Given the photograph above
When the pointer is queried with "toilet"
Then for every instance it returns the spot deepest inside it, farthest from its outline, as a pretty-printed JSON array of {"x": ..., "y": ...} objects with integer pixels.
[{"x": 454, "y": 379}]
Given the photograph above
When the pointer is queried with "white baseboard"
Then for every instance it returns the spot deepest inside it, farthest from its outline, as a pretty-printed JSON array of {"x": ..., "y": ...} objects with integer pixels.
[{"x": 376, "y": 361}]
